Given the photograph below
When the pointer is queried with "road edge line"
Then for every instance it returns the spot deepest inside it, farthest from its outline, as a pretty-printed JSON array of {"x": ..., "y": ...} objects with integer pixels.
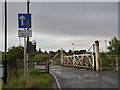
[{"x": 58, "y": 85}]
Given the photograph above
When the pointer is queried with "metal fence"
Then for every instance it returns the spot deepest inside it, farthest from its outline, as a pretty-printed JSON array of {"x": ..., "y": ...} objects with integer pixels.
[
  {"x": 43, "y": 65},
  {"x": 110, "y": 62}
]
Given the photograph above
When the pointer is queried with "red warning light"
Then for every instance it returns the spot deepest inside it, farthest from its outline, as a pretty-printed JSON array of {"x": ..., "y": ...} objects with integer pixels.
[
  {"x": 47, "y": 61},
  {"x": 84, "y": 60},
  {"x": 66, "y": 60}
]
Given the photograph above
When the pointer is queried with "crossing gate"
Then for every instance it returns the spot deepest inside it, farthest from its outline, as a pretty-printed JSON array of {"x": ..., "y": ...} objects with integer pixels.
[
  {"x": 88, "y": 60},
  {"x": 80, "y": 60}
]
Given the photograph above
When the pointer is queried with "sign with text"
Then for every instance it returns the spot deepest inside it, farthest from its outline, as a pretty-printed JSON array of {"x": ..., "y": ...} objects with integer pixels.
[
  {"x": 24, "y": 20},
  {"x": 24, "y": 33}
]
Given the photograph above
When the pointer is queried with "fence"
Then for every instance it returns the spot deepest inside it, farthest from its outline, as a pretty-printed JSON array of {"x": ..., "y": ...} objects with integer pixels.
[
  {"x": 110, "y": 62},
  {"x": 32, "y": 64}
]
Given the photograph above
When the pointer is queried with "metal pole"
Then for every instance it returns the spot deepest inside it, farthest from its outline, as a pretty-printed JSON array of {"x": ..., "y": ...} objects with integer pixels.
[
  {"x": 94, "y": 56},
  {"x": 5, "y": 58},
  {"x": 19, "y": 41},
  {"x": 73, "y": 48},
  {"x": 73, "y": 54},
  {"x": 28, "y": 37},
  {"x": 24, "y": 58}
]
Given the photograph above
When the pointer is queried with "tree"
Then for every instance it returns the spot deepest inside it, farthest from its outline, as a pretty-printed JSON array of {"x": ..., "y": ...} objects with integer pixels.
[
  {"x": 41, "y": 57},
  {"x": 58, "y": 51},
  {"x": 15, "y": 54},
  {"x": 70, "y": 52},
  {"x": 40, "y": 51},
  {"x": 64, "y": 52},
  {"x": 52, "y": 53},
  {"x": 37, "y": 58},
  {"x": 114, "y": 46}
]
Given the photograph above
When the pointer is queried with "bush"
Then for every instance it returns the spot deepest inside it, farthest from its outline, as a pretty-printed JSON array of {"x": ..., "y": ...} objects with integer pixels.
[{"x": 41, "y": 58}]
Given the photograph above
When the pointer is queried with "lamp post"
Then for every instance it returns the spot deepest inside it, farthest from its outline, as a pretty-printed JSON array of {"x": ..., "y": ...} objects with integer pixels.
[
  {"x": 106, "y": 45},
  {"x": 73, "y": 48},
  {"x": 73, "y": 54}
]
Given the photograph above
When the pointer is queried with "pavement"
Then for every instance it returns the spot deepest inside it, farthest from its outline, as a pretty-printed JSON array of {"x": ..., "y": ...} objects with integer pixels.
[{"x": 71, "y": 77}]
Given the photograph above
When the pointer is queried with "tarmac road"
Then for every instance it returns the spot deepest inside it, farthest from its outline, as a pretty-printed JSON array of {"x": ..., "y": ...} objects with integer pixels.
[{"x": 71, "y": 77}]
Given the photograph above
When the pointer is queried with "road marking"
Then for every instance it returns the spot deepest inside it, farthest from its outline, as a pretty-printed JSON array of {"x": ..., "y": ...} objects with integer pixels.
[
  {"x": 56, "y": 69},
  {"x": 56, "y": 81},
  {"x": 79, "y": 77},
  {"x": 58, "y": 72},
  {"x": 85, "y": 75}
]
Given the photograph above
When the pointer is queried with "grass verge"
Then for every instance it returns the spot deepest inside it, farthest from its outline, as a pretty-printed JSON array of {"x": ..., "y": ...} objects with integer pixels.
[
  {"x": 114, "y": 70},
  {"x": 34, "y": 79}
]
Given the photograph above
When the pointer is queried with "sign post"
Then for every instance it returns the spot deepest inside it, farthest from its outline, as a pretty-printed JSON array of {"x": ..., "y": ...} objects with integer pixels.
[
  {"x": 25, "y": 57},
  {"x": 25, "y": 33},
  {"x": 24, "y": 21}
]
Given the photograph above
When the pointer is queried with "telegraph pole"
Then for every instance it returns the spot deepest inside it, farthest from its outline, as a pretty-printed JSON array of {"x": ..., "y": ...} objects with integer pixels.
[
  {"x": 28, "y": 37},
  {"x": 5, "y": 57}
]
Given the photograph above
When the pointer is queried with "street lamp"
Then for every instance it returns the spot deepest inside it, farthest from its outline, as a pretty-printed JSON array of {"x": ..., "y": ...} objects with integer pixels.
[
  {"x": 73, "y": 47},
  {"x": 106, "y": 45}
]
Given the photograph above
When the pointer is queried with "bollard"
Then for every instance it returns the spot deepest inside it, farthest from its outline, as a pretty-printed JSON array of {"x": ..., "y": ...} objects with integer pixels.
[{"x": 47, "y": 67}]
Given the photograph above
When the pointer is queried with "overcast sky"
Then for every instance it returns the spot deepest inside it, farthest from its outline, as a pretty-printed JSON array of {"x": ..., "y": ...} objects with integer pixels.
[{"x": 56, "y": 25}]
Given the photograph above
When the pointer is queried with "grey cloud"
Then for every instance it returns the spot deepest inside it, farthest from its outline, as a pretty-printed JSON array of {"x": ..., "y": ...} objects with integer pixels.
[
  {"x": 98, "y": 19},
  {"x": 64, "y": 19}
]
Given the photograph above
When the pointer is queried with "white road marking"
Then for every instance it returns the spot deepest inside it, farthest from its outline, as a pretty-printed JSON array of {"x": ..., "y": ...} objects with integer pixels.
[
  {"x": 85, "y": 75},
  {"x": 58, "y": 72},
  {"x": 79, "y": 77},
  {"x": 56, "y": 81},
  {"x": 56, "y": 69}
]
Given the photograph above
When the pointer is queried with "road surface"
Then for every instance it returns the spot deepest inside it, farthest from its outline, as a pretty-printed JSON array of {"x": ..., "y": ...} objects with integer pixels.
[{"x": 71, "y": 77}]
